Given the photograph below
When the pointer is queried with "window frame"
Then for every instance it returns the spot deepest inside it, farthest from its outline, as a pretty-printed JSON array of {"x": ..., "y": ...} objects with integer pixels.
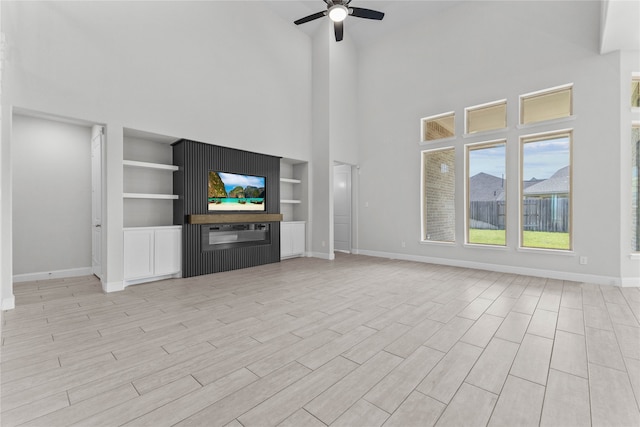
[
  {"x": 543, "y": 92},
  {"x": 523, "y": 139},
  {"x": 423, "y": 126},
  {"x": 467, "y": 177},
  {"x": 423, "y": 219},
  {"x": 478, "y": 107}
]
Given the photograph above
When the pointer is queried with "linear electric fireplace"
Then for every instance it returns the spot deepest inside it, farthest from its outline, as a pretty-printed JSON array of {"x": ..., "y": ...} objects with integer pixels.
[{"x": 225, "y": 236}]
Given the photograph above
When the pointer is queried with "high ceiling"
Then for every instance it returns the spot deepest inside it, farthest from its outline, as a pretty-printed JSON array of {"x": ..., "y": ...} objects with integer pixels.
[
  {"x": 620, "y": 27},
  {"x": 398, "y": 13}
]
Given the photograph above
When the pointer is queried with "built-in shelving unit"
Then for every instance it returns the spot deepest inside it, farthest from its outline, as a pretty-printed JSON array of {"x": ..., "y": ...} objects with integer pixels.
[
  {"x": 148, "y": 179},
  {"x": 294, "y": 206},
  {"x": 152, "y": 244}
]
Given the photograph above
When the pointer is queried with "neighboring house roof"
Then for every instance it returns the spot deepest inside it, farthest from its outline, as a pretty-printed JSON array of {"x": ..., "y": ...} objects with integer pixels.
[
  {"x": 485, "y": 188},
  {"x": 557, "y": 184}
]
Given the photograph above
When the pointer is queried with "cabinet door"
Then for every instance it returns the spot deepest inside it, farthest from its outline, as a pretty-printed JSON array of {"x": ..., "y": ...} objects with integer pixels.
[
  {"x": 298, "y": 238},
  {"x": 286, "y": 247},
  {"x": 138, "y": 254},
  {"x": 167, "y": 251}
]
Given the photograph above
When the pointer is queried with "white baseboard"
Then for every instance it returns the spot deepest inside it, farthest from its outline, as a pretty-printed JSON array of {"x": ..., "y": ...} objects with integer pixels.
[
  {"x": 322, "y": 255},
  {"x": 8, "y": 303},
  {"x": 58, "y": 274},
  {"x": 525, "y": 271}
]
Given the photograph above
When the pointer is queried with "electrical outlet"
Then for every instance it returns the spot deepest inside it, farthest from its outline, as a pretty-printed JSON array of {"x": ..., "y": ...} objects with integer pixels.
[
  {"x": 366, "y": 204},
  {"x": 583, "y": 260},
  {"x": 404, "y": 244},
  {"x": 323, "y": 243}
]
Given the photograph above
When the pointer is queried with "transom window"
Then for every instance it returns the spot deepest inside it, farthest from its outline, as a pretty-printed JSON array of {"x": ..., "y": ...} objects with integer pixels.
[
  {"x": 486, "y": 117},
  {"x": 546, "y": 105},
  {"x": 438, "y": 127}
]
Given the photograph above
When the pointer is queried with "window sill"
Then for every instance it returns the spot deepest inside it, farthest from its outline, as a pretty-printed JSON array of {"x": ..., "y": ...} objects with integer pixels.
[
  {"x": 560, "y": 252},
  {"x": 436, "y": 242},
  {"x": 547, "y": 122},
  {"x": 486, "y": 133},
  {"x": 438, "y": 141},
  {"x": 490, "y": 247},
  {"x": 634, "y": 256}
]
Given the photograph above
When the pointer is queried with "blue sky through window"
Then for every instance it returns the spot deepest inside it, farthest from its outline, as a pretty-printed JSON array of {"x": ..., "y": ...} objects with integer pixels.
[
  {"x": 490, "y": 160},
  {"x": 543, "y": 158}
]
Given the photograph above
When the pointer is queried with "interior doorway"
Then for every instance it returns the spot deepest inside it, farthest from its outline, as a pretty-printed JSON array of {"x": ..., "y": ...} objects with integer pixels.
[
  {"x": 342, "y": 212},
  {"x": 56, "y": 162}
]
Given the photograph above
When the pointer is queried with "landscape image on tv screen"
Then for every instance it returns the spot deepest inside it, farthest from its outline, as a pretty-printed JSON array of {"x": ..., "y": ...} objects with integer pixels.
[{"x": 235, "y": 192}]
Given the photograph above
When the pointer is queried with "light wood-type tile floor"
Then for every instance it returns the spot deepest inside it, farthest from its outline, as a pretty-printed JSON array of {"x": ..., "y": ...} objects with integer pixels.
[{"x": 358, "y": 341}]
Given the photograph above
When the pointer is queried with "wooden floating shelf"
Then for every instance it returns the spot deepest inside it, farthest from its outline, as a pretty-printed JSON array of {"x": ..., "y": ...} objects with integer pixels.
[
  {"x": 232, "y": 218},
  {"x": 147, "y": 165}
]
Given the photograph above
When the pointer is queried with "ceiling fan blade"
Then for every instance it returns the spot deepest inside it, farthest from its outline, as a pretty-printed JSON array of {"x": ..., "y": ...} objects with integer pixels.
[
  {"x": 310, "y": 18},
  {"x": 366, "y": 13},
  {"x": 338, "y": 27}
]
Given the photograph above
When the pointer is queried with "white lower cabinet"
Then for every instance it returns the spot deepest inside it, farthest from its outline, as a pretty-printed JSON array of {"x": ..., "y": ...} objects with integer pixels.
[
  {"x": 151, "y": 253},
  {"x": 292, "y": 239}
]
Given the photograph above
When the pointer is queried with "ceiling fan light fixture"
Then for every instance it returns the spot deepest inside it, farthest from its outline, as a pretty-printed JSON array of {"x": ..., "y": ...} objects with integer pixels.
[{"x": 338, "y": 13}]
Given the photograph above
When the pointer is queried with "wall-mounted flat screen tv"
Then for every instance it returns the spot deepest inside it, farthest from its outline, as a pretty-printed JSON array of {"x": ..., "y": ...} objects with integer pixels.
[{"x": 235, "y": 192}]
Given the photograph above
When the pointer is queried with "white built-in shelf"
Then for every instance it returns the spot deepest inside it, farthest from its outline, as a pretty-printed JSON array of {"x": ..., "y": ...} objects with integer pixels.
[
  {"x": 147, "y": 165},
  {"x": 290, "y": 180},
  {"x": 290, "y": 201},
  {"x": 149, "y": 196}
]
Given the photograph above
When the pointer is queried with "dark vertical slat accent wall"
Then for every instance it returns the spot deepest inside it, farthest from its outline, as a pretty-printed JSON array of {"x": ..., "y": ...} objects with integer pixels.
[{"x": 195, "y": 160}]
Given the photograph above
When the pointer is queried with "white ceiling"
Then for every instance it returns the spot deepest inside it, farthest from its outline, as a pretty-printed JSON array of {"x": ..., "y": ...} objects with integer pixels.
[
  {"x": 398, "y": 14},
  {"x": 620, "y": 28}
]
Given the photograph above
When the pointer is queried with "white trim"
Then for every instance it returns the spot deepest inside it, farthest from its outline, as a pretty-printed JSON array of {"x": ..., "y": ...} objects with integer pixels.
[
  {"x": 525, "y": 271},
  {"x": 484, "y": 246},
  {"x": 322, "y": 255},
  {"x": 630, "y": 282},
  {"x": 129, "y": 282},
  {"x": 547, "y": 122},
  {"x": 8, "y": 303},
  {"x": 436, "y": 141},
  {"x": 44, "y": 275},
  {"x": 634, "y": 256},
  {"x": 113, "y": 286},
  {"x": 546, "y": 251},
  {"x": 548, "y": 90},
  {"x": 437, "y": 242},
  {"x": 486, "y": 133},
  {"x": 148, "y": 165}
]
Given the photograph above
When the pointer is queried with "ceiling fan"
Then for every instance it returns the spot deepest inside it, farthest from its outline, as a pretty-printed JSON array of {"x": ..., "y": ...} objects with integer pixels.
[{"x": 337, "y": 11}]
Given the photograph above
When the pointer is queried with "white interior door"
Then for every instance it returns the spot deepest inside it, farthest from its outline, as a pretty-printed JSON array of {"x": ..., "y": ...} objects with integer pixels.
[
  {"x": 96, "y": 200},
  {"x": 342, "y": 208}
]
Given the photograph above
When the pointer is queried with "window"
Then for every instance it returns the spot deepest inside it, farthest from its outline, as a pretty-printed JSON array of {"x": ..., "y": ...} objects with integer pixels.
[
  {"x": 486, "y": 193},
  {"x": 486, "y": 117},
  {"x": 438, "y": 127},
  {"x": 546, "y": 105},
  {"x": 635, "y": 188},
  {"x": 438, "y": 195},
  {"x": 546, "y": 191}
]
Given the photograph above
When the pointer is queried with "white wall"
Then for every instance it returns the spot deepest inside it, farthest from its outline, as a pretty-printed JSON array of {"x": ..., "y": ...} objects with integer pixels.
[
  {"x": 457, "y": 60},
  {"x": 51, "y": 196},
  {"x": 225, "y": 72}
]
